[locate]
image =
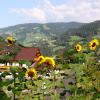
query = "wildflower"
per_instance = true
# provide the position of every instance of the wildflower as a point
(44, 86)
(99, 61)
(10, 40)
(78, 47)
(32, 73)
(49, 61)
(93, 44)
(45, 60)
(56, 72)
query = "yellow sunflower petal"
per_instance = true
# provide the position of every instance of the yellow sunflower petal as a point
(10, 40)
(78, 47)
(40, 59)
(32, 73)
(93, 44)
(50, 61)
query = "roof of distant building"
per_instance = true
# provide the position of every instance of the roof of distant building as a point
(27, 53)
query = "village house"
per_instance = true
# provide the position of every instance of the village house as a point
(24, 54)
(27, 53)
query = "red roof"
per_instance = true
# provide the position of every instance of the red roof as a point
(27, 53)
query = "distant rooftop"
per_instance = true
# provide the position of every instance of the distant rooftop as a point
(27, 53)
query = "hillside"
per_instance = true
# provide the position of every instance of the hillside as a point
(2, 43)
(85, 30)
(51, 37)
(54, 28)
(38, 35)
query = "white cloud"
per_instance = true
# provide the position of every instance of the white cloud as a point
(77, 10)
(35, 13)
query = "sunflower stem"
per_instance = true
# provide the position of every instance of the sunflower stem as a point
(54, 83)
(14, 86)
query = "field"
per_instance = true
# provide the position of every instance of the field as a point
(72, 75)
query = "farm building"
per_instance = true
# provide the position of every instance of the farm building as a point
(19, 53)
(12, 57)
(27, 53)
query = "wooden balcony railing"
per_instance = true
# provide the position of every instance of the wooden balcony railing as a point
(5, 68)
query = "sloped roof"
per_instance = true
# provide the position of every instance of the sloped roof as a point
(26, 53)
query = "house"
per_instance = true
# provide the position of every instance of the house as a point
(19, 52)
(11, 55)
(27, 53)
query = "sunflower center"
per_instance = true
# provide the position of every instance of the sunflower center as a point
(10, 42)
(30, 73)
(94, 44)
(77, 48)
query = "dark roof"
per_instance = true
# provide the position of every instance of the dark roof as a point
(27, 53)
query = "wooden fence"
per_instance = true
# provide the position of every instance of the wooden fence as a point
(5, 68)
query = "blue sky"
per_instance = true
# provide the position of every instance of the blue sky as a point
(14, 12)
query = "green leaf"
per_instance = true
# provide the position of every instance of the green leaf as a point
(5, 83)
(3, 96)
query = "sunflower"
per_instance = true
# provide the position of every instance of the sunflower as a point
(93, 44)
(10, 40)
(78, 47)
(49, 61)
(40, 59)
(32, 73)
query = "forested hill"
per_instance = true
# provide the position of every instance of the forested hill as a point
(92, 28)
(46, 28)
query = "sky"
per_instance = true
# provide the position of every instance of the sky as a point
(13, 12)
